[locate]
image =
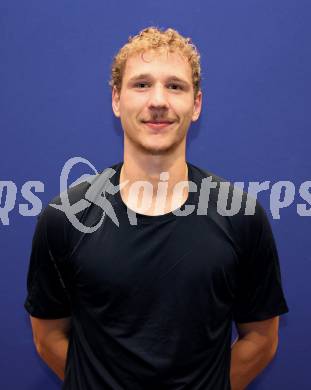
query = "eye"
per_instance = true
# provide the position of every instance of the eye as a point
(141, 85)
(175, 87)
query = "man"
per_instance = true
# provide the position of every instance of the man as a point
(150, 305)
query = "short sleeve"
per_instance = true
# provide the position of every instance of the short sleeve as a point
(47, 296)
(260, 294)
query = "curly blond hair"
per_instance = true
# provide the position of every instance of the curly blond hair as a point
(156, 39)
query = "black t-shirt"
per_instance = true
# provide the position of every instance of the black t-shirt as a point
(152, 303)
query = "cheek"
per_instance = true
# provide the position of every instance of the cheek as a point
(183, 108)
(131, 104)
(182, 102)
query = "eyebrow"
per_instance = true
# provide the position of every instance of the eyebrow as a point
(148, 76)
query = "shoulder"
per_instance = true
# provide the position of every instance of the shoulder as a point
(230, 206)
(229, 197)
(75, 197)
(62, 220)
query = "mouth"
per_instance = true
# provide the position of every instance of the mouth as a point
(157, 125)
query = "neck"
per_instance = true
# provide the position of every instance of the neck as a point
(160, 193)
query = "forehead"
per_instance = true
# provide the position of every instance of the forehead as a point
(158, 64)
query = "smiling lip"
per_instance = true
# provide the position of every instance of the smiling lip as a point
(157, 125)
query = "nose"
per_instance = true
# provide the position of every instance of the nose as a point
(158, 98)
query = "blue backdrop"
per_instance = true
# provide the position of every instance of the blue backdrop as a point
(255, 126)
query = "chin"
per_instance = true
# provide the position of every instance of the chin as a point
(158, 150)
(156, 147)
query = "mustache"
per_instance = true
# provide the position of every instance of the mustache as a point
(159, 116)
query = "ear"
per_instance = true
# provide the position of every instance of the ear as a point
(116, 101)
(197, 106)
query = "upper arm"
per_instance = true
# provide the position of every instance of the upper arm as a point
(264, 333)
(48, 282)
(259, 294)
(44, 330)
